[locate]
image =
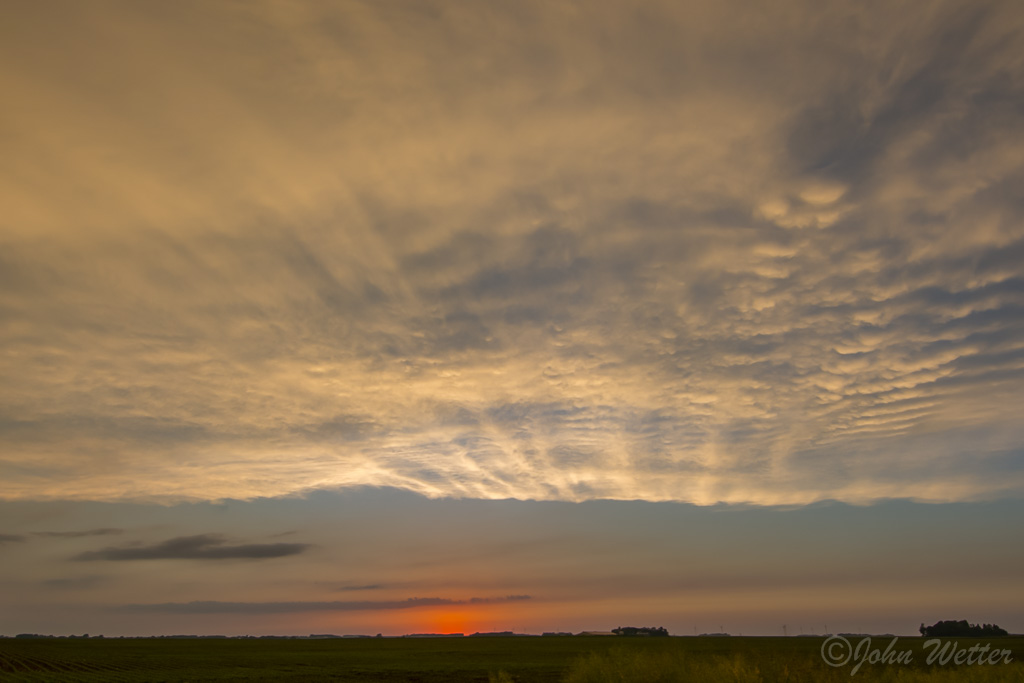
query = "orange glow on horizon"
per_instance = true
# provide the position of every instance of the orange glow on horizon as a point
(458, 620)
(451, 622)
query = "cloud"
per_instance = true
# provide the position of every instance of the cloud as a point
(76, 582)
(507, 598)
(78, 534)
(11, 538)
(200, 547)
(214, 607)
(635, 253)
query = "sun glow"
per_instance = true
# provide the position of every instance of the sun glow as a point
(453, 621)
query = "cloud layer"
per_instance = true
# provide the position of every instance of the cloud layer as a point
(587, 566)
(677, 252)
(78, 534)
(200, 547)
(215, 607)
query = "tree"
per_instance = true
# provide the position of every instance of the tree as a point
(951, 629)
(645, 631)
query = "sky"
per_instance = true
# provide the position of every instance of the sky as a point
(410, 316)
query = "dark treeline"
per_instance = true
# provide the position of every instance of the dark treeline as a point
(948, 629)
(645, 631)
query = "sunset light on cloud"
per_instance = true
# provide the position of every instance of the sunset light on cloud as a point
(378, 302)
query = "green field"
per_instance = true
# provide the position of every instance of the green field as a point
(561, 659)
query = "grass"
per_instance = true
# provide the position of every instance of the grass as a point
(483, 660)
(776, 660)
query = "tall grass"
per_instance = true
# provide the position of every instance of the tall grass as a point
(639, 665)
(645, 666)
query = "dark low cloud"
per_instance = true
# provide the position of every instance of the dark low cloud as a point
(11, 538)
(78, 534)
(200, 547)
(75, 582)
(489, 601)
(216, 607)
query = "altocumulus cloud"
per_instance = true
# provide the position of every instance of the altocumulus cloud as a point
(633, 252)
(215, 607)
(200, 547)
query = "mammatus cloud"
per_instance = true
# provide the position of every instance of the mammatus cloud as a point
(214, 607)
(620, 252)
(201, 547)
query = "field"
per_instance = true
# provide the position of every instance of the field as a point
(558, 659)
